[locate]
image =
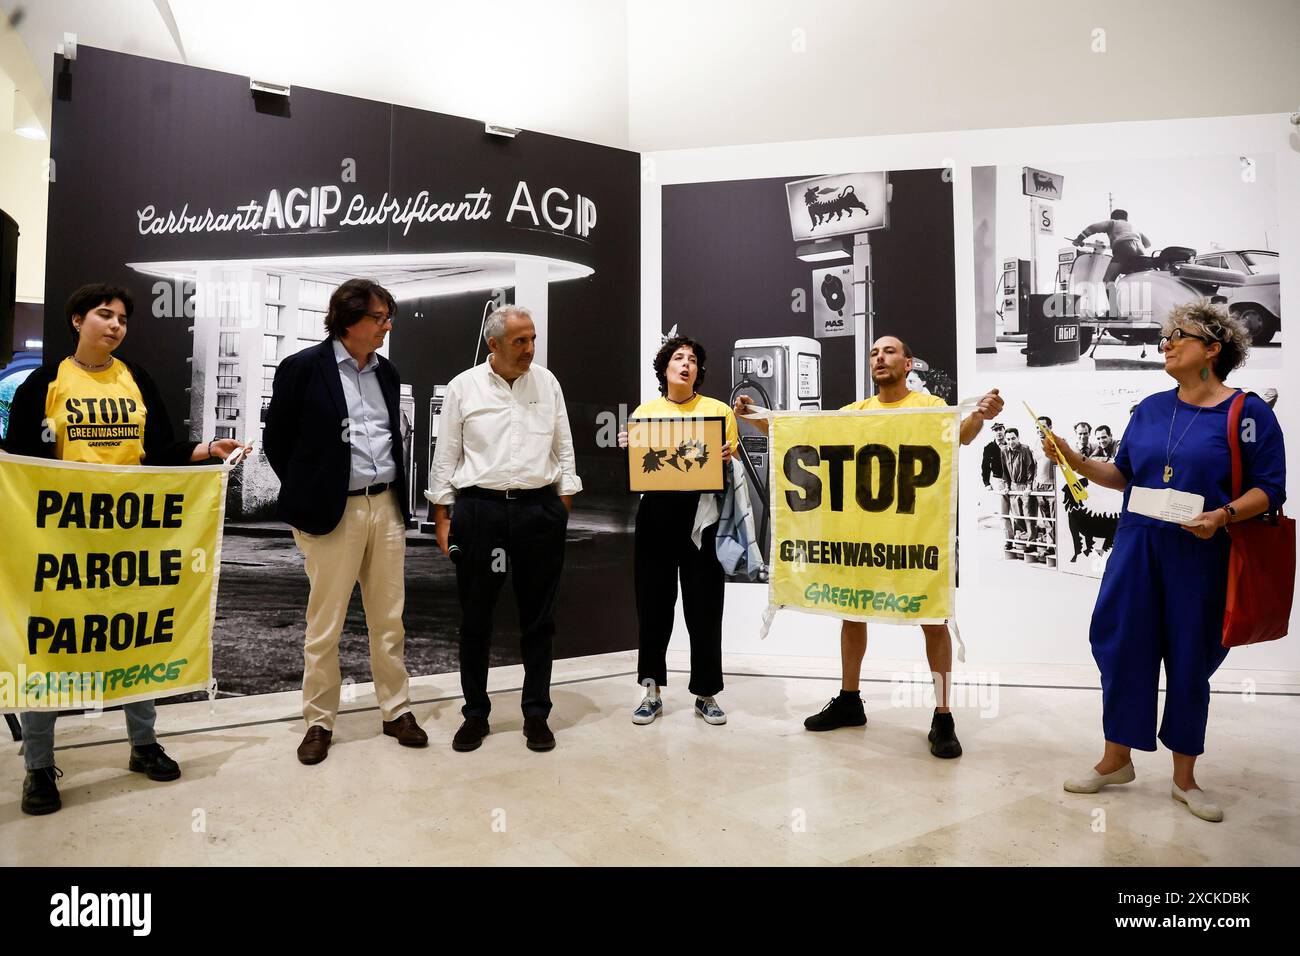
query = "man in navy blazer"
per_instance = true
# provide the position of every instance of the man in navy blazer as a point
(333, 437)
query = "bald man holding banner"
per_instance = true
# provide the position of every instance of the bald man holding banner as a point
(891, 362)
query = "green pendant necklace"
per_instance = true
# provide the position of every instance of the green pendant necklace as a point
(1169, 452)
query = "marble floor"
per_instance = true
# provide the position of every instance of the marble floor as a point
(760, 790)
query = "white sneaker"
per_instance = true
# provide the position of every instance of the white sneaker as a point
(708, 708)
(1093, 781)
(650, 708)
(1199, 802)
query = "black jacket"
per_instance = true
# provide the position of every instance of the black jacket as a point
(306, 439)
(992, 465)
(27, 433)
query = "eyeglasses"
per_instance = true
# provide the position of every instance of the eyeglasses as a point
(1178, 334)
(381, 318)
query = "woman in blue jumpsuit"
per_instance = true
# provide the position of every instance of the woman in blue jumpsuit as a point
(1162, 596)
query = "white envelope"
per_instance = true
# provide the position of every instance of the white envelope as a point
(1165, 504)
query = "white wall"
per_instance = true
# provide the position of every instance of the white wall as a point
(24, 193)
(668, 74)
(559, 67)
(1007, 614)
(725, 72)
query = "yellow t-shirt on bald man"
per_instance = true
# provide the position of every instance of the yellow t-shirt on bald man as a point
(910, 400)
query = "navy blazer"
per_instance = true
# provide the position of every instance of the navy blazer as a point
(306, 438)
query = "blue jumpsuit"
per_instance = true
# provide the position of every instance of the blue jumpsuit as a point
(1164, 589)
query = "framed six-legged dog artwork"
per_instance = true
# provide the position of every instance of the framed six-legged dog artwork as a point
(675, 454)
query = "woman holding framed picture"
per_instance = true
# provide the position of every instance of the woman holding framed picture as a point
(671, 544)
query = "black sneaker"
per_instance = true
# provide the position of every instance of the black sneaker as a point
(152, 761)
(840, 712)
(40, 793)
(943, 737)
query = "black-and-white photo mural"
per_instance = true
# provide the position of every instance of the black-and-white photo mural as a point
(1078, 264)
(1026, 513)
(1093, 423)
(232, 220)
(788, 280)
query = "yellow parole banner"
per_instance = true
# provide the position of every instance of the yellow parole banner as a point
(108, 581)
(865, 513)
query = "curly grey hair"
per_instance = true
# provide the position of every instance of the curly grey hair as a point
(1216, 323)
(495, 326)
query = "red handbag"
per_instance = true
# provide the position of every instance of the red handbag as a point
(1261, 566)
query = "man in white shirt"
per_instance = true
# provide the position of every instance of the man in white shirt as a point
(502, 483)
(1083, 439)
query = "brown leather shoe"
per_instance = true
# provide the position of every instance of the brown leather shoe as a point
(407, 731)
(538, 733)
(316, 745)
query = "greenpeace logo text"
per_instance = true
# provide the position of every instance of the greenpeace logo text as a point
(75, 908)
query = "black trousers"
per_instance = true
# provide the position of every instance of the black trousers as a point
(526, 538)
(664, 550)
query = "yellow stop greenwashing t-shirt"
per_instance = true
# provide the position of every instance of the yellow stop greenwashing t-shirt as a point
(98, 417)
(701, 406)
(910, 400)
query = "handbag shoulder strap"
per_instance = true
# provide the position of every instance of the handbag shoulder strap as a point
(1234, 441)
(1234, 447)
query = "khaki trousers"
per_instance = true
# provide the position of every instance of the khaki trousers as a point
(368, 546)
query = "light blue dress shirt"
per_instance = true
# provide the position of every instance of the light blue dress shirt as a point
(373, 460)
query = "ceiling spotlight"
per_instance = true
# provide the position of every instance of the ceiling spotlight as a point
(495, 129)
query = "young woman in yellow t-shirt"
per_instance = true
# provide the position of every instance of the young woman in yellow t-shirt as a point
(96, 407)
(665, 550)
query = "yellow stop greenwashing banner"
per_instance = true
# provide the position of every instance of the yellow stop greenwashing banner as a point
(864, 508)
(108, 581)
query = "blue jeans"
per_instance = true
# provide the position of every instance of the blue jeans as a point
(38, 731)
